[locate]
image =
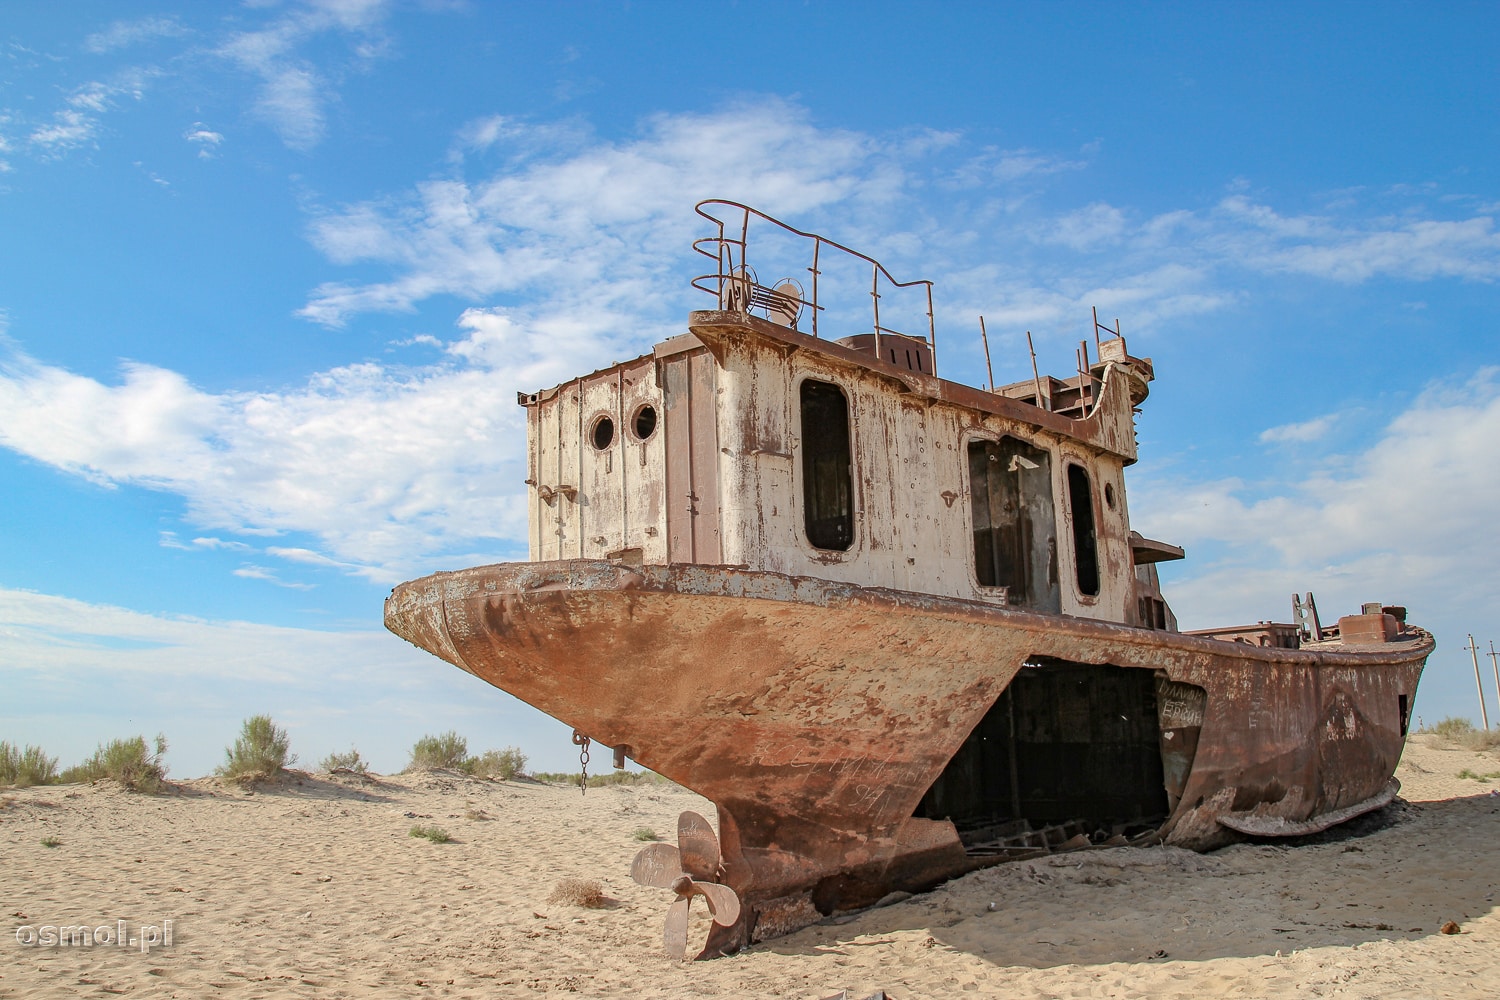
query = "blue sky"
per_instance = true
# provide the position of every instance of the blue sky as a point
(271, 274)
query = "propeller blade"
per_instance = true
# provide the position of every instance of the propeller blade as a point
(674, 935)
(657, 865)
(722, 901)
(699, 847)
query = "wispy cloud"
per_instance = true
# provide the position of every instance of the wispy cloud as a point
(599, 217)
(252, 572)
(1299, 433)
(294, 89)
(122, 34)
(78, 122)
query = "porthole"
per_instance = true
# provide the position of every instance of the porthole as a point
(604, 433)
(1109, 495)
(645, 422)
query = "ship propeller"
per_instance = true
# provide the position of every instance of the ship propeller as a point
(692, 868)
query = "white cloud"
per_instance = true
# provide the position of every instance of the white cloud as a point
(78, 123)
(388, 468)
(1299, 433)
(121, 34)
(1092, 227)
(603, 219)
(1408, 518)
(252, 572)
(220, 543)
(1354, 251)
(294, 92)
(206, 138)
(69, 128)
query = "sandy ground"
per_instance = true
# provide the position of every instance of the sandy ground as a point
(314, 888)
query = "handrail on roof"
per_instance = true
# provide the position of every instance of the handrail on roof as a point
(737, 289)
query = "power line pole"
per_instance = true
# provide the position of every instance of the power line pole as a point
(1474, 653)
(1495, 665)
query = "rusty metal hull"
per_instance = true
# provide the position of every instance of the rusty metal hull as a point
(816, 714)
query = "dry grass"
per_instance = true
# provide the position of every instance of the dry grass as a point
(579, 892)
(130, 762)
(1463, 733)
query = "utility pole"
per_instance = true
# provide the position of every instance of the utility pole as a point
(1474, 653)
(1495, 665)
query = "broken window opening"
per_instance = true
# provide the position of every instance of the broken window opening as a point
(827, 479)
(1085, 547)
(1067, 748)
(1015, 528)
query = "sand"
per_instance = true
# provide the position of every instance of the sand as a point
(314, 888)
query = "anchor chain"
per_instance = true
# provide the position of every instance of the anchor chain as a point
(582, 743)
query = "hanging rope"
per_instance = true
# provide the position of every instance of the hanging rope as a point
(582, 743)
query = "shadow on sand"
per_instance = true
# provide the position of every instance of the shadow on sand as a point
(1398, 874)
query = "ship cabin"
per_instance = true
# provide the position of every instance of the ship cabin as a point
(776, 435)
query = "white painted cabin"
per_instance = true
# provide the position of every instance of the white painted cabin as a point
(746, 442)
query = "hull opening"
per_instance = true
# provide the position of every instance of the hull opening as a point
(1069, 755)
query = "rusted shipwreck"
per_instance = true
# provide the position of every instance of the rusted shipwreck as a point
(895, 628)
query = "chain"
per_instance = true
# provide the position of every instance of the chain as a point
(582, 743)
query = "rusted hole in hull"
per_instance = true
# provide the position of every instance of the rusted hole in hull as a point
(1067, 746)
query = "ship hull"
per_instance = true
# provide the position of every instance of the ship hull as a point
(817, 715)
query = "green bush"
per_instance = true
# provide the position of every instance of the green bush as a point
(436, 834)
(261, 752)
(449, 750)
(130, 762)
(26, 766)
(502, 764)
(350, 761)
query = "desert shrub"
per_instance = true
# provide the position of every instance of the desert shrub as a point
(646, 833)
(579, 892)
(130, 762)
(1464, 733)
(51, 841)
(449, 750)
(350, 761)
(1452, 728)
(609, 778)
(436, 834)
(23, 766)
(261, 752)
(1482, 739)
(503, 764)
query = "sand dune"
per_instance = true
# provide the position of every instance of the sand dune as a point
(314, 888)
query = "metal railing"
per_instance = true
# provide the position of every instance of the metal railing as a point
(737, 288)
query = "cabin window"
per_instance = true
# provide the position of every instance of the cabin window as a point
(604, 433)
(645, 422)
(1085, 547)
(1015, 527)
(827, 480)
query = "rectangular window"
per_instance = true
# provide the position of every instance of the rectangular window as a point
(1085, 549)
(1015, 526)
(827, 480)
